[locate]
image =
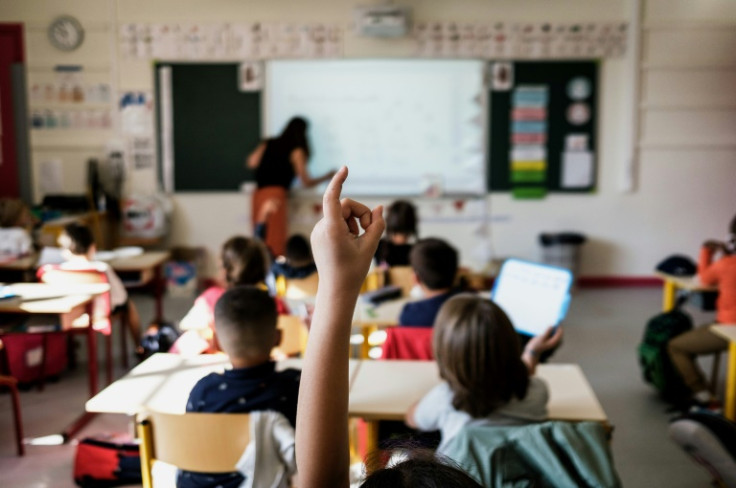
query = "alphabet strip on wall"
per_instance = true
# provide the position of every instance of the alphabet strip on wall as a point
(514, 40)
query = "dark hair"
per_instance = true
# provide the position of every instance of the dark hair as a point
(11, 212)
(245, 261)
(245, 322)
(294, 135)
(435, 263)
(401, 218)
(420, 472)
(77, 239)
(479, 355)
(298, 249)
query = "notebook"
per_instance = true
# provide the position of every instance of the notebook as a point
(534, 296)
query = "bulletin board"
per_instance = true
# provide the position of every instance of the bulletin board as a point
(216, 125)
(542, 127)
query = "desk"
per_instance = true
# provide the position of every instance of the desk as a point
(20, 269)
(142, 270)
(68, 303)
(728, 332)
(163, 382)
(673, 283)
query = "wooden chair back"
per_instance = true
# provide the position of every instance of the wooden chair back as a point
(203, 442)
(402, 276)
(301, 288)
(293, 335)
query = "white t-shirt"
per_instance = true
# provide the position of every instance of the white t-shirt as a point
(435, 411)
(14, 241)
(118, 293)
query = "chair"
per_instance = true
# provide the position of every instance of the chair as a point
(293, 335)
(12, 384)
(408, 343)
(300, 288)
(402, 276)
(102, 310)
(203, 442)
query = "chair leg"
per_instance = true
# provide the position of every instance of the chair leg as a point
(714, 373)
(11, 383)
(108, 357)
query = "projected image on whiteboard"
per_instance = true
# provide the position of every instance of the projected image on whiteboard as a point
(403, 127)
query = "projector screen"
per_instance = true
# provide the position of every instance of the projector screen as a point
(403, 127)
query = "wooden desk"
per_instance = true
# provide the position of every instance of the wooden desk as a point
(728, 332)
(21, 269)
(384, 390)
(673, 283)
(144, 270)
(163, 383)
(68, 303)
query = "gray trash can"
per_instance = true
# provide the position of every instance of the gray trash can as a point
(562, 249)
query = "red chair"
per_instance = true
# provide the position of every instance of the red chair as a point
(408, 343)
(12, 384)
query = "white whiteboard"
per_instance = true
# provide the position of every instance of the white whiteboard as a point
(401, 126)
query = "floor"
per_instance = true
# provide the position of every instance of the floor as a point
(601, 333)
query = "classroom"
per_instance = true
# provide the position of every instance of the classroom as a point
(591, 135)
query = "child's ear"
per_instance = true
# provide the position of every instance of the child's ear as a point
(416, 279)
(277, 338)
(92, 250)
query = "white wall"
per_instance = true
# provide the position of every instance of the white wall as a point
(686, 178)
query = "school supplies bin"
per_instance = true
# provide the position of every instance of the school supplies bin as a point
(185, 270)
(562, 249)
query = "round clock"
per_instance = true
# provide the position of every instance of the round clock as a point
(66, 33)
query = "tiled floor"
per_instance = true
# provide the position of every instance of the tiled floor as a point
(601, 334)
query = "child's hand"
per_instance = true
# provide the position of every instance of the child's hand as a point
(268, 208)
(544, 342)
(342, 255)
(714, 246)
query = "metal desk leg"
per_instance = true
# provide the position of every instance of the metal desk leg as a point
(668, 295)
(158, 293)
(730, 406)
(365, 348)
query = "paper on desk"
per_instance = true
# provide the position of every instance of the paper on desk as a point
(577, 169)
(50, 176)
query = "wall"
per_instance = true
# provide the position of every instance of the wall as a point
(686, 175)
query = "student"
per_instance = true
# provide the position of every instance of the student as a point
(434, 262)
(297, 262)
(343, 257)
(78, 249)
(685, 348)
(486, 376)
(245, 321)
(244, 261)
(15, 222)
(401, 230)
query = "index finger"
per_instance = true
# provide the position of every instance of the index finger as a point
(331, 198)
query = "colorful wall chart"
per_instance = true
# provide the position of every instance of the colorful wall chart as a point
(542, 127)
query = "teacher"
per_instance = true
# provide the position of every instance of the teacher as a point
(276, 162)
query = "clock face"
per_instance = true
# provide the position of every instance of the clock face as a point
(66, 33)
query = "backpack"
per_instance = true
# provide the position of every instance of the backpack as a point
(157, 338)
(657, 368)
(710, 439)
(103, 462)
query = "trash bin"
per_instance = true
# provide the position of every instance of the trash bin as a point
(562, 249)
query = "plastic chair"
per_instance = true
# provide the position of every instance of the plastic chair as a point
(202, 442)
(402, 276)
(293, 335)
(102, 310)
(408, 343)
(12, 384)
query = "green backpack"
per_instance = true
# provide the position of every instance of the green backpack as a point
(657, 368)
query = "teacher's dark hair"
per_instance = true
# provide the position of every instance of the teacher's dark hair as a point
(294, 135)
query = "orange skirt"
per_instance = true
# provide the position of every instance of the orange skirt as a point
(277, 223)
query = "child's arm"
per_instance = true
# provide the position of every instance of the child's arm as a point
(707, 269)
(342, 260)
(538, 344)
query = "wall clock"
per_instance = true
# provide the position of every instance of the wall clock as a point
(66, 33)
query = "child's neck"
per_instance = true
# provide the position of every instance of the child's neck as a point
(239, 363)
(433, 293)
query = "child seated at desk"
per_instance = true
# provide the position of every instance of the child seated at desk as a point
(245, 321)
(297, 262)
(244, 261)
(487, 376)
(343, 258)
(15, 223)
(434, 262)
(685, 348)
(401, 230)
(78, 249)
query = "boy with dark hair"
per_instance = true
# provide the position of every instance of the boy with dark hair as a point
(435, 264)
(245, 323)
(297, 262)
(79, 249)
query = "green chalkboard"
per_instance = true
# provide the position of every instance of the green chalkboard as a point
(556, 76)
(215, 126)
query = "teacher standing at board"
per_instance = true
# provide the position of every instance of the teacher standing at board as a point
(276, 162)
